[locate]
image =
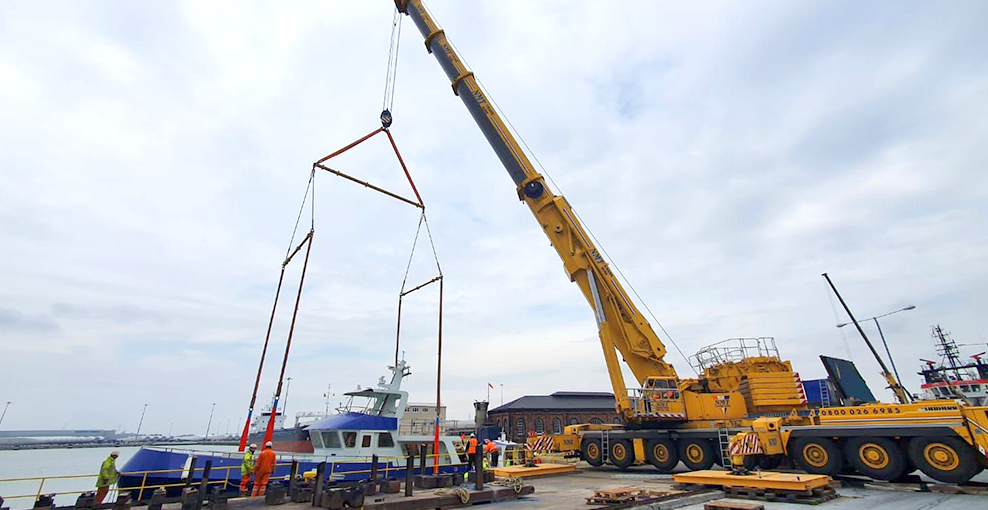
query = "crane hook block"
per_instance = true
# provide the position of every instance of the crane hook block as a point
(533, 189)
(386, 119)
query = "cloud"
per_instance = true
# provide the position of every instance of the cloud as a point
(154, 159)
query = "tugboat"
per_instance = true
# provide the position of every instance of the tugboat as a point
(367, 425)
(951, 377)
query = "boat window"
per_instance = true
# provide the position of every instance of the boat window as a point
(975, 387)
(316, 440)
(350, 439)
(331, 439)
(366, 442)
(965, 388)
(384, 440)
(557, 426)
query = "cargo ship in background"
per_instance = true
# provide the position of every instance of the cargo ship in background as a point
(293, 439)
(952, 377)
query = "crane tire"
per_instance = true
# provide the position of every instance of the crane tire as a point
(818, 455)
(945, 459)
(697, 454)
(662, 454)
(876, 457)
(591, 452)
(622, 454)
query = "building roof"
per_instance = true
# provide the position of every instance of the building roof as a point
(561, 401)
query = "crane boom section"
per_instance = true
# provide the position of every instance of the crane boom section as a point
(621, 326)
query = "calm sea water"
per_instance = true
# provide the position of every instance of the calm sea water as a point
(56, 462)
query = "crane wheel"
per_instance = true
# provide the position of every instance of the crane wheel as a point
(876, 457)
(591, 452)
(817, 455)
(662, 454)
(622, 453)
(945, 459)
(697, 454)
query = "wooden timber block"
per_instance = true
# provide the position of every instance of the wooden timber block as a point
(731, 505)
(391, 487)
(457, 478)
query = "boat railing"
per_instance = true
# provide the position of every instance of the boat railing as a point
(218, 476)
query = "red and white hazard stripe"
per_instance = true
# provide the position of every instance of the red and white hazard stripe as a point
(799, 387)
(541, 444)
(748, 445)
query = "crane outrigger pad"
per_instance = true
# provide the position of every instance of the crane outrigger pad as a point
(796, 483)
(529, 472)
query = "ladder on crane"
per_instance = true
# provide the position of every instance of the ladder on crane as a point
(605, 447)
(724, 441)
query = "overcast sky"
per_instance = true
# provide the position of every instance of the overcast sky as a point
(154, 156)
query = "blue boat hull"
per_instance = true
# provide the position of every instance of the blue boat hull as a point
(225, 470)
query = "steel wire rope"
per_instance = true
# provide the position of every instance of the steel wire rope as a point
(833, 306)
(312, 205)
(546, 172)
(390, 78)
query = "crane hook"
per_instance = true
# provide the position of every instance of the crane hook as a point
(386, 118)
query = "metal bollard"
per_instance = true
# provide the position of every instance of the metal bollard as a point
(478, 468)
(123, 501)
(190, 498)
(409, 473)
(422, 455)
(192, 470)
(320, 481)
(373, 475)
(204, 483)
(157, 499)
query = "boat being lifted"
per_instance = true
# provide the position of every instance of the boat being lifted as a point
(347, 442)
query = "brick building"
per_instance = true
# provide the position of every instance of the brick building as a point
(550, 413)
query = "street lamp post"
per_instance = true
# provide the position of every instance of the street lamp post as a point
(882, 335)
(138, 435)
(4, 411)
(210, 424)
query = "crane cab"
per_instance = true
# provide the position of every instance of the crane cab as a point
(659, 398)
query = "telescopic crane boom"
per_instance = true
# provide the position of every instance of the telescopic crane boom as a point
(620, 325)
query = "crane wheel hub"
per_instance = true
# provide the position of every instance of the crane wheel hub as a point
(816, 455)
(941, 456)
(694, 453)
(661, 453)
(873, 456)
(593, 451)
(619, 452)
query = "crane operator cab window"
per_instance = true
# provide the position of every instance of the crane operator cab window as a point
(661, 388)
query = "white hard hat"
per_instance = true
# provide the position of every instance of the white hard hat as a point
(269, 444)
(115, 453)
(253, 446)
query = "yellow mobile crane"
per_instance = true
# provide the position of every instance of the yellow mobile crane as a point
(743, 387)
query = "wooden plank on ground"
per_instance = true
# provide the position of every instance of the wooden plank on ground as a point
(731, 505)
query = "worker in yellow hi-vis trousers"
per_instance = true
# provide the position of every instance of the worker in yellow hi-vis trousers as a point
(247, 471)
(108, 476)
